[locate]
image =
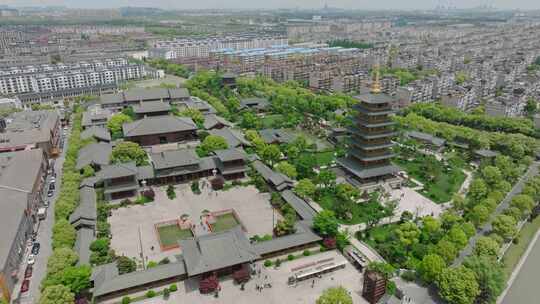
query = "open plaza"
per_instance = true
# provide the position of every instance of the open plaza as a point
(135, 225)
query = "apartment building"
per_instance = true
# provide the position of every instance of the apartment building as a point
(181, 48)
(53, 78)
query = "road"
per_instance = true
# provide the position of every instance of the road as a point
(532, 171)
(522, 284)
(44, 237)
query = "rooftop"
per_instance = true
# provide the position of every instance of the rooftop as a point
(158, 125)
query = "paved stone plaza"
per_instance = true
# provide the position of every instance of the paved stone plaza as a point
(280, 293)
(134, 225)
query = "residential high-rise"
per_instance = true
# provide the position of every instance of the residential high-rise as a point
(369, 156)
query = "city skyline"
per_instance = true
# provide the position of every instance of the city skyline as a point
(275, 4)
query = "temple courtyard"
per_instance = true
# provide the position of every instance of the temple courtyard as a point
(133, 227)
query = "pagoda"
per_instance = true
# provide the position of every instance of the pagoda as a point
(370, 145)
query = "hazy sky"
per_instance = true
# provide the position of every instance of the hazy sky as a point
(198, 4)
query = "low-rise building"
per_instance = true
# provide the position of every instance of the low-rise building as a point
(22, 179)
(156, 130)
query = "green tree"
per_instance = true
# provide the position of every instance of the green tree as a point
(125, 265)
(335, 295)
(128, 151)
(486, 246)
(60, 259)
(115, 124)
(287, 169)
(490, 276)
(270, 154)
(77, 278)
(458, 285)
(250, 121)
(194, 114)
(88, 171)
(431, 267)
(385, 269)
(408, 234)
(347, 192)
(213, 143)
(64, 234)
(457, 236)
(446, 249)
(326, 178)
(504, 226)
(326, 224)
(305, 188)
(56, 294)
(478, 189)
(479, 215)
(524, 203)
(492, 175)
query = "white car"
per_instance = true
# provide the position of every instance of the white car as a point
(31, 259)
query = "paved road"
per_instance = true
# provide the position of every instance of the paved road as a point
(532, 171)
(523, 283)
(44, 237)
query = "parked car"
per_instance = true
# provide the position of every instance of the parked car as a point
(53, 180)
(25, 286)
(35, 248)
(50, 193)
(46, 204)
(52, 186)
(28, 272)
(31, 259)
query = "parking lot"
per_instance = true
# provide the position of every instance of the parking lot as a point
(133, 226)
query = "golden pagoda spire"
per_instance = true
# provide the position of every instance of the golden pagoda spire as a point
(376, 86)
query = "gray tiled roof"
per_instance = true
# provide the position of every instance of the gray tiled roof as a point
(436, 141)
(278, 180)
(375, 98)
(151, 107)
(87, 206)
(29, 127)
(216, 251)
(276, 136)
(303, 236)
(85, 237)
(94, 114)
(254, 102)
(137, 94)
(106, 281)
(234, 138)
(117, 170)
(174, 158)
(299, 205)
(486, 153)
(212, 120)
(158, 125)
(98, 133)
(362, 172)
(94, 154)
(145, 172)
(111, 98)
(179, 93)
(230, 154)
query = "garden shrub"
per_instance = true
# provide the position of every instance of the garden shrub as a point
(173, 288)
(150, 294)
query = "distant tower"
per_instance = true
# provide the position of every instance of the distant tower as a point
(374, 286)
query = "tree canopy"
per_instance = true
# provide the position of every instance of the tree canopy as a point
(56, 294)
(326, 224)
(115, 124)
(458, 285)
(128, 151)
(335, 295)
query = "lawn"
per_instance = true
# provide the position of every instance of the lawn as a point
(224, 222)
(171, 234)
(447, 181)
(269, 121)
(322, 158)
(514, 253)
